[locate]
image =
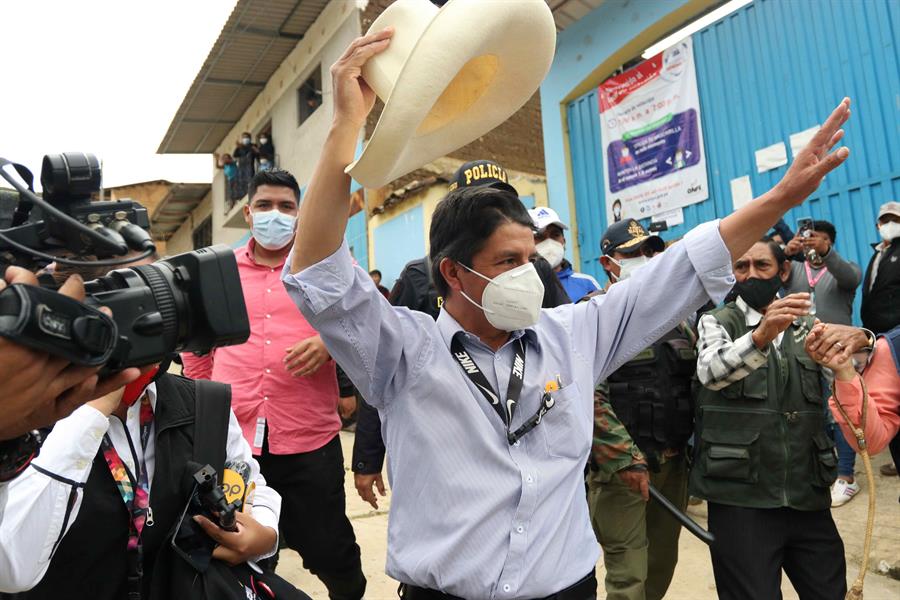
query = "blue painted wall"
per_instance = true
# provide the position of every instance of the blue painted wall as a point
(580, 48)
(357, 239)
(771, 69)
(397, 242)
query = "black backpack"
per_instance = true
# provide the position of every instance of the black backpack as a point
(219, 581)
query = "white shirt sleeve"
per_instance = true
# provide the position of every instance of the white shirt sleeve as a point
(267, 502)
(43, 502)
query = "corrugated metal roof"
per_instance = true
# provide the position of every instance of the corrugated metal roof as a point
(174, 209)
(256, 39)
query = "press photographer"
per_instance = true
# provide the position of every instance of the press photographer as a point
(120, 494)
(57, 341)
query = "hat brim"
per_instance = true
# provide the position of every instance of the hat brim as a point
(633, 245)
(522, 41)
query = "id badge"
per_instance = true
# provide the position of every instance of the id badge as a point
(260, 432)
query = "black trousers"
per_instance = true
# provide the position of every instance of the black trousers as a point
(313, 515)
(753, 545)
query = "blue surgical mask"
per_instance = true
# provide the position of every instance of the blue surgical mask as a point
(273, 230)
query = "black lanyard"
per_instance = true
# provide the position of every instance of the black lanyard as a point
(506, 408)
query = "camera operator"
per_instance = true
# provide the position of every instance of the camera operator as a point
(37, 389)
(103, 497)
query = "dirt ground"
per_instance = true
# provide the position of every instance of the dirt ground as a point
(693, 576)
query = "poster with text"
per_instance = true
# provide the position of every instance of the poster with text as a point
(651, 136)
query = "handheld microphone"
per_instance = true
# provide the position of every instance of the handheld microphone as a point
(235, 481)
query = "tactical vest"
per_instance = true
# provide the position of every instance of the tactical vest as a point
(761, 441)
(651, 394)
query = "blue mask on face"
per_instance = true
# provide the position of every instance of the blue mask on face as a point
(273, 230)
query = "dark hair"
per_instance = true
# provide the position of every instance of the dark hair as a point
(465, 219)
(376, 272)
(777, 251)
(826, 228)
(276, 177)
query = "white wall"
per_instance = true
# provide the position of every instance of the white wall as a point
(296, 147)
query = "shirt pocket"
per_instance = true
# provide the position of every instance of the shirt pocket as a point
(566, 429)
(810, 380)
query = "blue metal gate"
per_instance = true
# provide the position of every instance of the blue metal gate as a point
(770, 69)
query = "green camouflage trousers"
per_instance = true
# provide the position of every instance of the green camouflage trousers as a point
(638, 566)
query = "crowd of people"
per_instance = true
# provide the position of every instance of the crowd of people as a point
(526, 412)
(247, 159)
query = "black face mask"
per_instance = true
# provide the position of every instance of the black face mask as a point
(757, 293)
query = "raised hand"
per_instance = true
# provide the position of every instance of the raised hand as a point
(816, 159)
(353, 98)
(779, 316)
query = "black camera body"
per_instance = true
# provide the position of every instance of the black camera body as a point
(191, 302)
(65, 218)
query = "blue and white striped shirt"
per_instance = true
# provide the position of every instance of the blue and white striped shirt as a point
(471, 515)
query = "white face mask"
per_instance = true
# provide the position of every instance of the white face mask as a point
(627, 266)
(511, 300)
(889, 231)
(273, 230)
(552, 251)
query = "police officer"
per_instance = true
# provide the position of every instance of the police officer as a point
(643, 418)
(762, 459)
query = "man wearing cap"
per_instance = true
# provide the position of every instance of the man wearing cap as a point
(487, 411)
(415, 290)
(550, 242)
(881, 288)
(645, 426)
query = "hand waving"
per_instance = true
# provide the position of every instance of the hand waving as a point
(353, 98)
(816, 160)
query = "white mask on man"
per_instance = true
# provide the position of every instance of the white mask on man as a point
(511, 300)
(889, 231)
(627, 266)
(552, 251)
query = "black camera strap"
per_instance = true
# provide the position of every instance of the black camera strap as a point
(506, 409)
(23, 208)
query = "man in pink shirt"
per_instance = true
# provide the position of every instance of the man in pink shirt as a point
(285, 395)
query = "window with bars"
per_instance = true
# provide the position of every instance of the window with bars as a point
(202, 234)
(309, 95)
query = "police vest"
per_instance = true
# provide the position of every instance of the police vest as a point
(761, 441)
(651, 394)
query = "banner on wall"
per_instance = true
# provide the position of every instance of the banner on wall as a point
(651, 136)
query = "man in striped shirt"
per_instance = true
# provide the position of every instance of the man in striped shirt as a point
(762, 458)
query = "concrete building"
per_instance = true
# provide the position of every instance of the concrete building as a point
(174, 208)
(268, 73)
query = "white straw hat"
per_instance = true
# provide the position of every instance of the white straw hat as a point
(449, 76)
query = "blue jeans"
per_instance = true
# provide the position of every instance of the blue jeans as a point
(846, 454)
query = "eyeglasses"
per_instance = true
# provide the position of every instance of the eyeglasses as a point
(547, 402)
